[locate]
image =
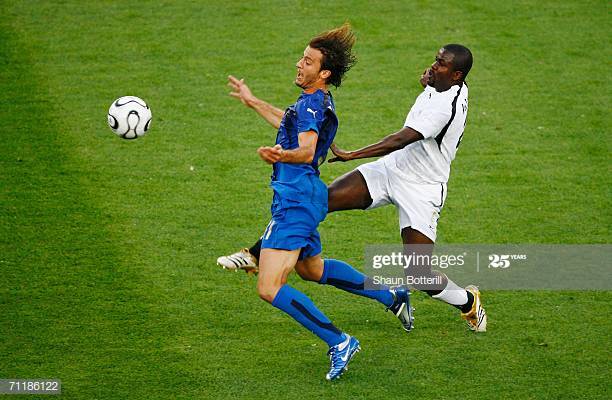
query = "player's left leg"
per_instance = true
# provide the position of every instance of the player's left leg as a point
(310, 268)
(292, 226)
(347, 192)
(467, 300)
(274, 267)
(419, 206)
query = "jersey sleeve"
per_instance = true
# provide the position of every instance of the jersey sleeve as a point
(429, 121)
(310, 115)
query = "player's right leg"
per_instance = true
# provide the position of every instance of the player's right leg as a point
(242, 259)
(348, 192)
(345, 277)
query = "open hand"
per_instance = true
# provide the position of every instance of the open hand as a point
(240, 90)
(341, 155)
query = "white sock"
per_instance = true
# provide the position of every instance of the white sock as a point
(452, 294)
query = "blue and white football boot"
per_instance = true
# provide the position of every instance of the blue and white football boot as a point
(401, 307)
(340, 355)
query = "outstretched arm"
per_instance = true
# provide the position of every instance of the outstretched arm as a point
(389, 144)
(267, 111)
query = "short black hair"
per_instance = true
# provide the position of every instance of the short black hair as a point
(462, 60)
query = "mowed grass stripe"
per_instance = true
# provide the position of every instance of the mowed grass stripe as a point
(73, 306)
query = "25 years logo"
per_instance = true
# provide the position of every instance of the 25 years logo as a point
(503, 260)
(499, 261)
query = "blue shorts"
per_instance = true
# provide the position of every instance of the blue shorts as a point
(294, 226)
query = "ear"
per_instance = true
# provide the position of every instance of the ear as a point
(324, 74)
(457, 76)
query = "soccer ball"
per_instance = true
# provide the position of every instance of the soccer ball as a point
(129, 117)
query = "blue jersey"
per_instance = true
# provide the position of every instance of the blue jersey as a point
(300, 182)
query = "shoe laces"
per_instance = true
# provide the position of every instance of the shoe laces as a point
(333, 357)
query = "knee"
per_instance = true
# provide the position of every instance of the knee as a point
(310, 270)
(307, 273)
(267, 292)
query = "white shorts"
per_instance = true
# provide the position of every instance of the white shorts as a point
(419, 204)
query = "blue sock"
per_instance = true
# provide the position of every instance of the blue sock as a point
(303, 310)
(343, 276)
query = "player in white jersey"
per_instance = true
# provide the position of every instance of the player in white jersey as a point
(412, 175)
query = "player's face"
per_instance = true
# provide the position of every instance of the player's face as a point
(442, 73)
(309, 74)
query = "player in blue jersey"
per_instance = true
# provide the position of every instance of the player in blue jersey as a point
(306, 131)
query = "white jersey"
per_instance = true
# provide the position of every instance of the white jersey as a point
(440, 117)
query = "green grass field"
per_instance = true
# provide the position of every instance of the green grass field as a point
(107, 247)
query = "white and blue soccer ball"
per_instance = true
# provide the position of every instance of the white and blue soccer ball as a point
(129, 117)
